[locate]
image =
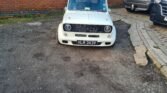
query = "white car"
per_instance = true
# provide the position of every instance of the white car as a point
(87, 23)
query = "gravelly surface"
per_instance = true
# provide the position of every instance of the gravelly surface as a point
(31, 61)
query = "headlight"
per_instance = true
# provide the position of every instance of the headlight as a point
(157, 1)
(67, 27)
(108, 29)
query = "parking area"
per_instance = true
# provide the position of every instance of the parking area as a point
(31, 61)
(158, 31)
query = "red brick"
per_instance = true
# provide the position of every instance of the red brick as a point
(20, 5)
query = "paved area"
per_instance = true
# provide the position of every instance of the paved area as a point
(144, 33)
(160, 32)
(31, 61)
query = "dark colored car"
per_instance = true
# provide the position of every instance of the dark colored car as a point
(137, 5)
(158, 12)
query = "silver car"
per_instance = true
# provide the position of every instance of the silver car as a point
(137, 5)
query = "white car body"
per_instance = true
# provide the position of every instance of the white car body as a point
(83, 38)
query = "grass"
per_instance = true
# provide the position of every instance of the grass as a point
(14, 20)
(29, 17)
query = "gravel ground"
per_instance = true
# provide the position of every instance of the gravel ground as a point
(31, 61)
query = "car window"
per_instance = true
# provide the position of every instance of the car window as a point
(87, 5)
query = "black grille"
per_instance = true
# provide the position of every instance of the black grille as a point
(164, 8)
(88, 28)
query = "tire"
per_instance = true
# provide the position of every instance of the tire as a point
(129, 10)
(155, 23)
(112, 46)
(58, 40)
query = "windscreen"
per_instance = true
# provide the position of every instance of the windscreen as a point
(88, 5)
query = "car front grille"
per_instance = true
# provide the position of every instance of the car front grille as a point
(164, 8)
(88, 28)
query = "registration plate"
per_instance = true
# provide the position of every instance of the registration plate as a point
(165, 19)
(81, 42)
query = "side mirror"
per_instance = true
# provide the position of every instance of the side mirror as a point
(65, 8)
(109, 9)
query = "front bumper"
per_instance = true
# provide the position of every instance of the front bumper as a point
(141, 6)
(70, 38)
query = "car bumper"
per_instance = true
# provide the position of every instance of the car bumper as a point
(71, 38)
(143, 6)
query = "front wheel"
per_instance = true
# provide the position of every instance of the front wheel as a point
(129, 10)
(113, 44)
(155, 23)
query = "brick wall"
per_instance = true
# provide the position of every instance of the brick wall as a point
(115, 2)
(18, 5)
